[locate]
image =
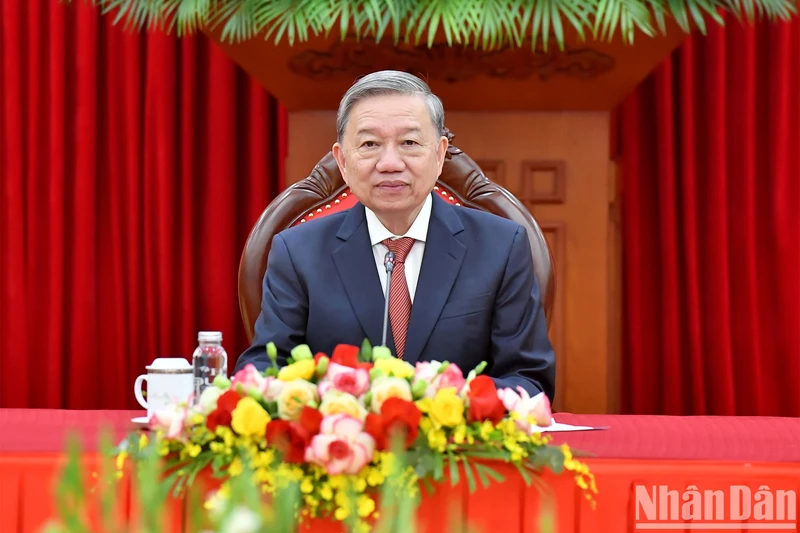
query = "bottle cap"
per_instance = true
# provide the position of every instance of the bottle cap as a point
(209, 336)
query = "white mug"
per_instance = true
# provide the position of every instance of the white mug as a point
(169, 381)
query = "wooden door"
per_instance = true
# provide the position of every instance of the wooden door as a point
(557, 164)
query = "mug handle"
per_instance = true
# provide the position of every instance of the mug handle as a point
(137, 390)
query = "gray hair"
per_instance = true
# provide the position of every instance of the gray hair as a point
(389, 82)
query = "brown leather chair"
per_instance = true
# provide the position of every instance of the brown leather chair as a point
(324, 192)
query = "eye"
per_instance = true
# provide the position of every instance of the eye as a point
(409, 142)
(368, 144)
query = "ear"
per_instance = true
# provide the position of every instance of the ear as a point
(441, 151)
(338, 154)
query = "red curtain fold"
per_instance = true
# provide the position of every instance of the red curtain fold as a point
(133, 167)
(711, 222)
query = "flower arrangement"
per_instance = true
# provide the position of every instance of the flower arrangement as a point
(335, 425)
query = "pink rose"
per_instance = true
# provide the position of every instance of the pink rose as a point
(353, 381)
(251, 379)
(272, 388)
(341, 446)
(529, 411)
(248, 378)
(452, 377)
(170, 420)
(431, 373)
(426, 371)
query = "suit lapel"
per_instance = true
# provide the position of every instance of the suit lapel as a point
(355, 264)
(441, 262)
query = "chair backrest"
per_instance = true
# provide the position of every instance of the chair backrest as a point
(324, 192)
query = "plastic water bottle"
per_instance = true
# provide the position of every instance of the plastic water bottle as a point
(209, 361)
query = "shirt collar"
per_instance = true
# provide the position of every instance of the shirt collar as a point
(417, 231)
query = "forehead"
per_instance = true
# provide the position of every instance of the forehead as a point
(389, 113)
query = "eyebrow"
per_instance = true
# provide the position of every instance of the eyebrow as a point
(371, 131)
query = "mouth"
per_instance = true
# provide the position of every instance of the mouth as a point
(391, 186)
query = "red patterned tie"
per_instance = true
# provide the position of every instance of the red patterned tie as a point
(399, 297)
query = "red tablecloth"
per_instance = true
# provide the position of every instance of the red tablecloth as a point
(636, 452)
(627, 437)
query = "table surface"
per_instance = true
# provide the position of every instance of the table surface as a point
(769, 439)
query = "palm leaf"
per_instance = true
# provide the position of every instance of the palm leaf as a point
(487, 24)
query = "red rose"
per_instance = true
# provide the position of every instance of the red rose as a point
(228, 400)
(292, 438)
(346, 355)
(218, 418)
(223, 414)
(398, 418)
(373, 425)
(310, 420)
(484, 404)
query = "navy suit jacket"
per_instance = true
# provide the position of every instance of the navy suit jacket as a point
(477, 296)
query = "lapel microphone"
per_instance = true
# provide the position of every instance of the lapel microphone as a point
(388, 264)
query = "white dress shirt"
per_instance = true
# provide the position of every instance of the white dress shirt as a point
(418, 231)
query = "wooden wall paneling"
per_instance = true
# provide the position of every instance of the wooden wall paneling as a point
(544, 182)
(555, 234)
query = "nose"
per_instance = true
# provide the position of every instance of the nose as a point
(390, 160)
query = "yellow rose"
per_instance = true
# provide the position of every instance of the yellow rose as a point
(249, 418)
(384, 388)
(300, 370)
(447, 409)
(335, 402)
(294, 395)
(395, 367)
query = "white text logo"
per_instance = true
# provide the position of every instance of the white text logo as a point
(733, 507)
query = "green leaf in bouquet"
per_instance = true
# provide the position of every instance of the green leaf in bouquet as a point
(272, 354)
(482, 475)
(454, 477)
(381, 352)
(549, 456)
(418, 389)
(222, 382)
(428, 486)
(480, 368)
(438, 466)
(70, 491)
(470, 476)
(524, 473)
(376, 373)
(484, 471)
(107, 479)
(271, 408)
(201, 462)
(301, 352)
(366, 351)
(322, 366)
(497, 455)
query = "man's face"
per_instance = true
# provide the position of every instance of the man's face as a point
(391, 155)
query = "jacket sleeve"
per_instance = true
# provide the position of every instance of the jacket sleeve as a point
(284, 311)
(522, 354)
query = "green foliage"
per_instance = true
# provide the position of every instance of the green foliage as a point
(245, 507)
(485, 24)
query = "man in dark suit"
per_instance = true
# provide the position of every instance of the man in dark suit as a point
(463, 288)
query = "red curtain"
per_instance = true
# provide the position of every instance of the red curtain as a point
(711, 208)
(133, 167)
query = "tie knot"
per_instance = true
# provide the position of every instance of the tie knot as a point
(399, 247)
